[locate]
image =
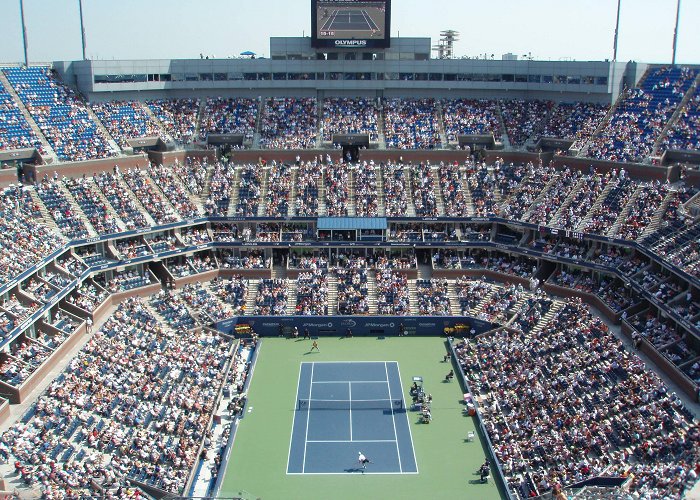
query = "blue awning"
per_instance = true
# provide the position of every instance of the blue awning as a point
(341, 223)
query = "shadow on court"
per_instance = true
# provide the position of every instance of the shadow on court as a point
(355, 469)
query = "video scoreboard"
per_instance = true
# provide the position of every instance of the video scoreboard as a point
(347, 24)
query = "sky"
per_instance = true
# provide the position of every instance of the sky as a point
(180, 29)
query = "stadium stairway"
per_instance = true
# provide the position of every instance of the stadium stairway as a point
(319, 125)
(251, 295)
(160, 192)
(622, 217)
(692, 206)
(410, 207)
(263, 192)
(583, 149)
(235, 192)
(467, 192)
(206, 190)
(291, 297)
(504, 135)
(479, 307)
(105, 202)
(437, 190)
(441, 124)
(381, 204)
(100, 126)
(164, 325)
(676, 114)
(412, 297)
(567, 203)
(515, 310)
(293, 193)
(258, 121)
(163, 133)
(200, 115)
(77, 210)
(540, 197)
(45, 216)
(351, 193)
(453, 297)
(424, 272)
(124, 188)
(592, 209)
(332, 297)
(279, 272)
(49, 152)
(380, 128)
(321, 184)
(371, 293)
(196, 200)
(544, 320)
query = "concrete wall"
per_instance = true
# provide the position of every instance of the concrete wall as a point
(83, 73)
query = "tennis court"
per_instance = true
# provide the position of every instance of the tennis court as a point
(344, 408)
(446, 461)
(349, 20)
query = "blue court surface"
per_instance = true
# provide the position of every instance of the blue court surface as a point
(344, 408)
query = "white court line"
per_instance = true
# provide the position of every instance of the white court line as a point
(364, 15)
(393, 418)
(332, 20)
(415, 460)
(308, 415)
(346, 363)
(354, 441)
(350, 382)
(350, 407)
(364, 473)
(291, 436)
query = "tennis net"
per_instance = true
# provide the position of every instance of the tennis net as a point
(350, 404)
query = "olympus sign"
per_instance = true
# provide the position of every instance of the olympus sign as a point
(351, 43)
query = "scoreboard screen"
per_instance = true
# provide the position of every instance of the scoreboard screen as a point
(348, 24)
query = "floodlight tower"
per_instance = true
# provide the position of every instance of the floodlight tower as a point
(675, 32)
(617, 27)
(82, 27)
(449, 37)
(440, 49)
(24, 32)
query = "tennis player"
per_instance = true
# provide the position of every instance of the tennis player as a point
(363, 460)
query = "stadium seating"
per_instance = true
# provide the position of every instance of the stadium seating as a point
(524, 119)
(178, 117)
(150, 197)
(532, 400)
(117, 193)
(87, 197)
(126, 120)
(641, 115)
(60, 114)
(229, 116)
(411, 124)
(349, 116)
(110, 431)
(24, 240)
(307, 182)
(15, 131)
(471, 117)
(576, 121)
(289, 123)
(684, 133)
